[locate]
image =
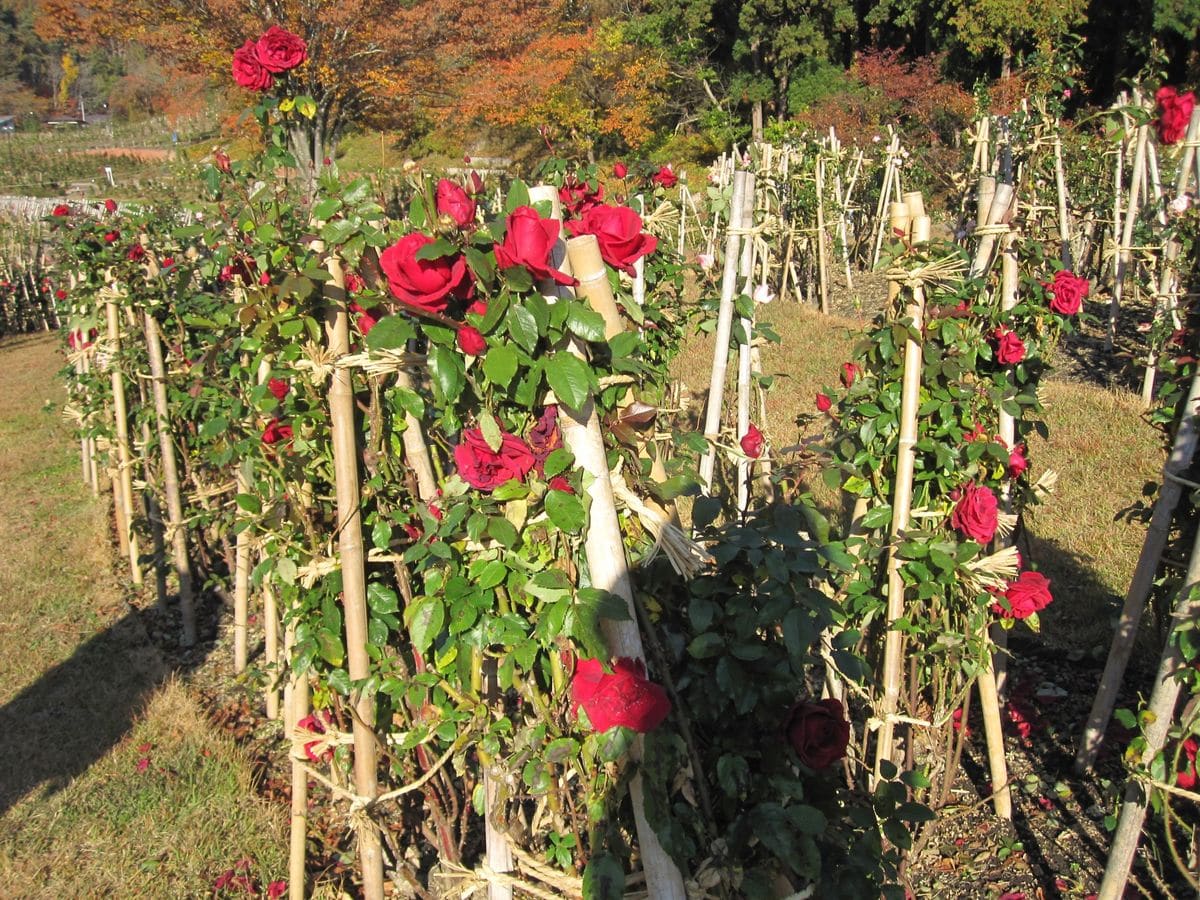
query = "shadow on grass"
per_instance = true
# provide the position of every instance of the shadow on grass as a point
(56, 728)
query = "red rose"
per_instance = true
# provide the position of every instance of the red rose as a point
(168, 261)
(484, 468)
(975, 513)
(620, 170)
(112, 236)
(560, 483)
(528, 241)
(61, 210)
(544, 437)
(625, 697)
(818, 732)
(248, 71)
(752, 442)
(136, 252)
(363, 319)
(278, 388)
(849, 372)
(618, 231)
(314, 725)
(1067, 292)
(665, 177)
(60, 294)
(110, 205)
(1017, 463)
(279, 50)
(453, 201)
(476, 186)
(354, 283)
(1174, 113)
(276, 432)
(1010, 349)
(1029, 594)
(277, 889)
(264, 279)
(427, 283)
(470, 341)
(824, 404)
(1186, 778)
(478, 308)
(222, 161)
(577, 198)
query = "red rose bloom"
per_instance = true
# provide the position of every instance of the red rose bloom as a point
(752, 442)
(824, 404)
(111, 237)
(1174, 113)
(1186, 778)
(136, 252)
(60, 294)
(354, 283)
(625, 697)
(544, 437)
(528, 241)
(478, 308)
(363, 319)
(1010, 349)
(316, 726)
(110, 205)
(168, 261)
(1067, 292)
(1017, 463)
(560, 483)
(427, 283)
(849, 372)
(1030, 593)
(276, 432)
(665, 177)
(577, 198)
(453, 201)
(484, 468)
(61, 210)
(278, 388)
(818, 732)
(620, 170)
(248, 72)
(278, 50)
(222, 161)
(470, 341)
(975, 514)
(618, 231)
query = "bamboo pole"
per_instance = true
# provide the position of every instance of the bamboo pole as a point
(1124, 254)
(743, 184)
(354, 586)
(295, 710)
(1009, 282)
(890, 181)
(1176, 468)
(1064, 221)
(123, 489)
(910, 391)
(1161, 714)
(822, 271)
(271, 648)
(991, 221)
(746, 273)
(241, 581)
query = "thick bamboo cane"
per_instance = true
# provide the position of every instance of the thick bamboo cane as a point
(154, 518)
(1124, 254)
(271, 648)
(241, 581)
(745, 273)
(1162, 713)
(910, 390)
(1175, 469)
(1009, 280)
(124, 485)
(354, 583)
(822, 238)
(743, 184)
(890, 184)
(295, 710)
(93, 463)
(1064, 221)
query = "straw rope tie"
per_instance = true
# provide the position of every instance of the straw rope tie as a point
(999, 228)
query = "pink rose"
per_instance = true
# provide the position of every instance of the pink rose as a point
(528, 241)
(665, 177)
(426, 283)
(1017, 463)
(1010, 349)
(625, 697)
(620, 170)
(471, 341)
(618, 231)
(279, 50)
(975, 514)
(818, 732)
(1029, 594)
(484, 468)
(1067, 292)
(248, 72)
(453, 201)
(1174, 113)
(752, 442)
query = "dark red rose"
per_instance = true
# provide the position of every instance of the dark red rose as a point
(824, 404)
(248, 72)
(975, 514)
(111, 237)
(528, 241)
(618, 231)
(665, 177)
(110, 205)
(1067, 291)
(1186, 777)
(577, 198)
(275, 432)
(1010, 349)
(818, 732)
(1017, 463)
(354, 283)
(363, 319)
(453, 201)
(279, 50)
(484, 468)
(752, 442)
(560, 483)
(849, 372)
(136, 252)
(544, 437)
(61, 210)
(60, 294)
(470, 341)
(427, 283)
(1174, 113)
(168, 261)
(620, 170)
(278, 388)
(625, 697)
(1029, 594)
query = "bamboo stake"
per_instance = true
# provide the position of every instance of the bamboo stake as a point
(743, 184)
(993, 216)
(1176, 467)
(745, 272)
(1009, 281)
(1064, 221)
(822, 273)
(989, 699)
(1123, 251)
(891, 179)
(241, 581)
(354, 586)
(1162, 713)
(154, 518)
(124, 485)
(296, 710)
(271, 648)
(910, 390)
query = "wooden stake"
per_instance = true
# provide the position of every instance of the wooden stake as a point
(124, 483)
(822, 273)
(745, 272)
(271, 649)
(1064, 221)
(1124, 254)
(296, 710)
(241, 581)
(354, 584)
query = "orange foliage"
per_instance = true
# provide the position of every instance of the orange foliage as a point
(916, 90)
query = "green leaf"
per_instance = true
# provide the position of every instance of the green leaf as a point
(250, 503)
(326, 208)
(565, 510)
(490, 429)
(518, 195)
(877, 517)
(558, 462)
(329, 645)
(523, 327)
(437, 249)
(391, 333)
(381, 535)
(481, 264)
(603, 879)
(357, 191)
(499, 365)
(706, 645)
(808, 819)
(570, 378)
(492, 574)
(448, 374)
(426, 618)
(503, 531)
(382, 599)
